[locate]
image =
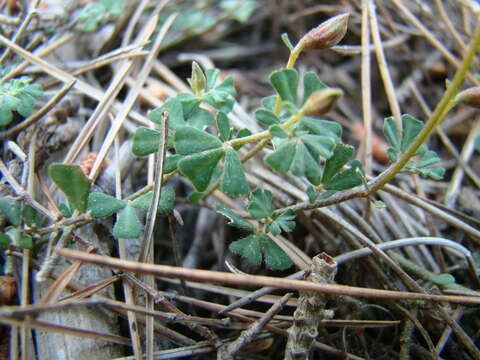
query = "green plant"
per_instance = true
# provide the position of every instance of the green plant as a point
(97, 13)
(18, 96)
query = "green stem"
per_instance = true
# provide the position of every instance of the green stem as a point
(264, 134)
(443, 107)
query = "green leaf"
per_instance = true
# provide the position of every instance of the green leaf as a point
(226, 86)
(4, 241)
(321, 145)
(195, 197)
(189, 140)
(19, 239)
(477, 143)
(312, 194)
(223, 126)
(73, 182)
(102, 205)
(260, 204)
(199, 168)
(443, 280)
(240, 134)
(285, 82)
(12, 210)
(311, 83)
(390, 132)
(31, 216)
(127, 226)
(211, 75)
(435, 173)
(281, 159)
(322, 127)
(235, 220)
(344, 180)
(428, 158)
(379, 204)
(145, 141)
(341, 155)
(171, 163)
(277, 130)
(304, 164)
(189, 104)
(269, 102)
(411, 128)
(275, 257)
(199, 118)
(249, 248)
(165, 204)
(175, 113)
(65, 210)
(234, 181)
(266, 117)
(241, 9)
(283, 222)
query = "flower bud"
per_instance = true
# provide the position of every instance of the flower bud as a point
(321, 101)
(198, 81)
(327, 34)
(470, 96)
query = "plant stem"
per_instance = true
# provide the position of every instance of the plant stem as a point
(441, 110)
(264, 134)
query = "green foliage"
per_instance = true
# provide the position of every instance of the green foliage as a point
(233, 181)
(18, 238)
(235, 220)
(12, 210)
(165, 204)
(96, 13)
(199, 168)
(127, 226)
(73, 183)
(102, 205)
(283, 221)
(256, 247)
(18, 95)
(260, 204)
(240, 9)
(145, 141)
(398, 145)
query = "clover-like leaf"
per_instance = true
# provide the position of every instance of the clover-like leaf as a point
(305, 164)
(275, 258)
(189, 140)
(311, 83)
(199, 118)
(200, 167)
(285, 83)
(322, 127)
(249, 247)
(127, 225)
(391, 134)
(145, 141)
(282, 222)
(31, 216)
(73, 183)
(223, 126)
(171, 163)
(411, 128)
(345, 180)
(235, 219)
(341, 155)
(234, 181)
(175, 113)
(165, 204)
(277, 131)
(266, 117)
(12, 210)
(260, 204)
(18, 238)
(102, 205)
(244, 132)
(281, 159)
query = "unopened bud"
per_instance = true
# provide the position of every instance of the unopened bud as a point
(327, 34)
(469, 96)
(321, 101)
(198, 81)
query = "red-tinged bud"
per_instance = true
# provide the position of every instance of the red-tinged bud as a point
(327, 34)
(321, 101)
(470, 96)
